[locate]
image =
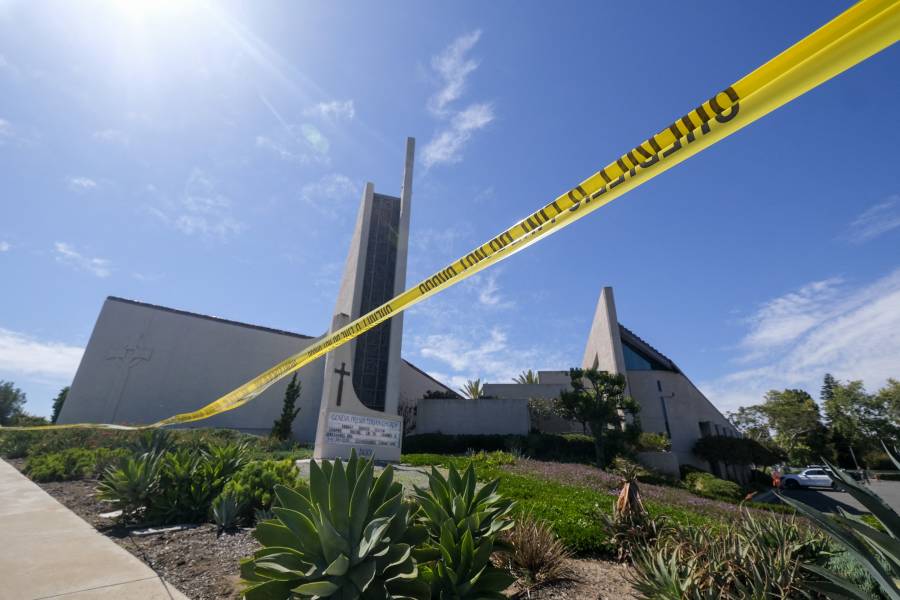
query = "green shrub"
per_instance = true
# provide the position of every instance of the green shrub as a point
(188, 483)
(74, 463)
(654, 442)
(347, 536)
(254, 485)
(710, 486)
(539, 446)
(739, 451)
(15, 444)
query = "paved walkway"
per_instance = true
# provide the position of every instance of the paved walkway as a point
(47, 551)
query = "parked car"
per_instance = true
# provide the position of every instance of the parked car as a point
(807, 478)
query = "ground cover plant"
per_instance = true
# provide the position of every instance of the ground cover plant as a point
(72, 463)
(253, 487)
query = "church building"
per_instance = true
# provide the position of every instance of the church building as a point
(144, 363)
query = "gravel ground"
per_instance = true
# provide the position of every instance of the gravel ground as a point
(593, 580)
(204, 566)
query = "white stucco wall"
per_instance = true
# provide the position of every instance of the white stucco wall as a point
(184, 361)
(414, 384)
(479, 417)
(686, 408)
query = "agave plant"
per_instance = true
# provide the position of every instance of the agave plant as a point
(226, 510)
(229, 458)
(130, 485)
(153, 442)
(630, 527)
(878, 551)
(755, 557)
(347, 537)
(463, 523)
(188, 483)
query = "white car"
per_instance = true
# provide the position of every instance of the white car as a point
(807, 478)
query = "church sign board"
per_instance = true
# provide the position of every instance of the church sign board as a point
(361, 430)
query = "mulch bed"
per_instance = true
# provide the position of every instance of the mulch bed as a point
(204, 566)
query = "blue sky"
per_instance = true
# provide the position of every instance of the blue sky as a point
(211, 158)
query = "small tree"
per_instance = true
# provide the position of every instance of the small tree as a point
(58, 403)
(597, 399)
(12, 399)
(472, 389)
(281, 429)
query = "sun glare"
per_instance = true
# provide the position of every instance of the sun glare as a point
(142, 12)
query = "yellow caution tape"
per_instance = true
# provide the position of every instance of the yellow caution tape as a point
(851, 37)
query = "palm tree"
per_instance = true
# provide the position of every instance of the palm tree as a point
(472, 389)
(526, 377)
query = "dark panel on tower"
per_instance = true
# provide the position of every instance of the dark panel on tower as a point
(373, 347)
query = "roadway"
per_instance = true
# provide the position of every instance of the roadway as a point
(827, 500)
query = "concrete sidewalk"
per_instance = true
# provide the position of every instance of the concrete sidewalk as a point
(47, 551)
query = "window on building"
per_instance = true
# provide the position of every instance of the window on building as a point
(705, 429)
(635, 360)
(718, 431)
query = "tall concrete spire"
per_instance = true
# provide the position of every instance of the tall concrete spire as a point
(361, 387)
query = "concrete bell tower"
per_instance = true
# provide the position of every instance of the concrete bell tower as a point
(361, 388)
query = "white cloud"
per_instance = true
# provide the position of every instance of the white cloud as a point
(851, 333)
(489, 291)
(454, 67)
(4, 246)
(67, 255)
(20, 353)
(111, 136)
(335, 110)
(447, 145)
(331, 195)
(782, 320)
(200, 210)
(81, 184)
(876, 220)
(484, 354)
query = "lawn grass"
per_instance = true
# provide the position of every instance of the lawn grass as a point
(571, 510)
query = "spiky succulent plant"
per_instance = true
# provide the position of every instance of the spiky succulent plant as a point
(350, 536)
(463, 522)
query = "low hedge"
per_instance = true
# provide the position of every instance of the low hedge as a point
(571, 447)
(710, 486)
(74, 463)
